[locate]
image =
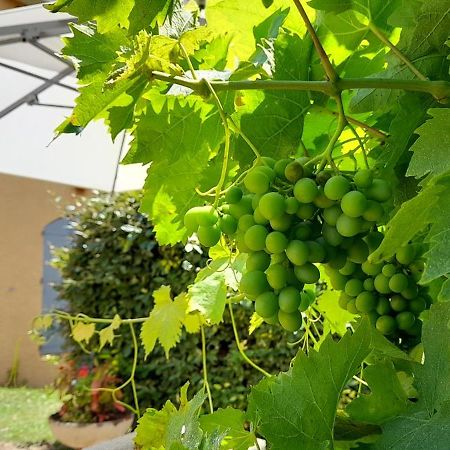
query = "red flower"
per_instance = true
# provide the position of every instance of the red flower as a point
(83, 372)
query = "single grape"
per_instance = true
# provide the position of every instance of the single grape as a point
(379, 190)
(228, 224)
(293, 171)
(371, 269)
(259, 218)
(276, 276)
(307, 273)
(411, 291)
(255, 237)
(337, 280)
(278, 258)
(276, 242)
(374, 212)
(322, 201)
(366, 302)
(331, 235)
(386, 325)
(244, 206)
(190, 221)
(381, 284)
(303, 231)
(353, 204)
(398, 282)
(353, 287)
(281, 223)
(331, 214)
(343, 300)
(205, 215)
(348, 226)
(290, 322)
(208, 235)
(268, 161)
(280, 167)
(240, 243)
(245, 222)
(266, 305)
(289, 299)
(348, 269)
(405, 255)
(351, 306)
(416, 329)
(272, 205)
(388, 270)
(305, 190)
(272, 320)
(383, 306)
(292, 205)
(358, 251)
(368, 284)
(306, 211)
(323, 176)
(257, 261)
(417, 305)
(405, 320)
(255, 200)
(337, 261)
(257, 181)
(398, 303)
(316, 252)
(233, 195)
(254, 283)
(336, 187)
(268, 171)
(363, 178)
(297, 252)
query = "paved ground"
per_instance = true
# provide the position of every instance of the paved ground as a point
(7, 446)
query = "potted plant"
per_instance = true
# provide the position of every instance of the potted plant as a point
(90, 412)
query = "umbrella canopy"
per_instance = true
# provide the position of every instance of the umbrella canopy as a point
(36, 91)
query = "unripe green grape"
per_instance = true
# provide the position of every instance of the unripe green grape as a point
(331, 214)
(358, 251)
(297, 252)
(228, 224)
(383, 306)
(366, 302)
(307, 170)
(398, 303)
(381, 284)
(257, 182)
(371, 269)
(379, 190)
(388, 270)
(266, 305)
(205, 215)
(292, 205)
(259, 261)
(316, 252)
(254, 283)
(240, 243)
(337, 261)
(405, 255)
(272, 320)
(255, 200)
(336, 187)
(276, 276)
(348, 269)
(268, 171)
(272, 205)
(305, 190)
(405, 320)
(411, 291)
(368, 284)
(293, 171)
(307, 273)
(416, 329)
(280, 167)
(190, 221)
(233, 195)
(351, 306)
(343, 300)
(386, 325)
(292, 279)
(417, 267)
(353, 204)
(322, 201)
(348, 226)
(290, 322)
(276, 242)
(363, 178)
(417, 305)
(208, 235)
(278, 258)
(244, 206)
(245, 222)
(374, 212)
(306, 211)
(353, 287)
(398, 282)
(303, 231)
(331, 235)
(323, 176)
(255, 237)
(259, 218)
(268, 161)
(281, 223)
(289, 299)
(337, 280)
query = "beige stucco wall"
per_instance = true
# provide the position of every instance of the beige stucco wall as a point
(26, 206)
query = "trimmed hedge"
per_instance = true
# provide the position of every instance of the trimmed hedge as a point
(113, 267)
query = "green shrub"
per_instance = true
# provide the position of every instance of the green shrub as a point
(113, 267)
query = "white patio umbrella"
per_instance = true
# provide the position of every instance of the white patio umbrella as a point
(36, 89)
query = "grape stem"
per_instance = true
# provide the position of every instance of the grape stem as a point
(205, 371)
(361, 144)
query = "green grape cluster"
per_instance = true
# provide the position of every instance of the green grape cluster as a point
(387, 291)
(288, 219)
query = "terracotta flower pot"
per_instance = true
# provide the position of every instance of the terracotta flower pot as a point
(80, 435)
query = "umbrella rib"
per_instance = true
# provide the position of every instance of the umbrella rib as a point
(34, 42)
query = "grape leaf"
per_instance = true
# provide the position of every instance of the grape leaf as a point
(444, 294)
(229, 422)
(165, 321)
(145, 14)
(297, 409)
(438, 257)
(83, 331)
(106, 335)
(386, 400)
(426, 424)
(431, 150)
(208, 296)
